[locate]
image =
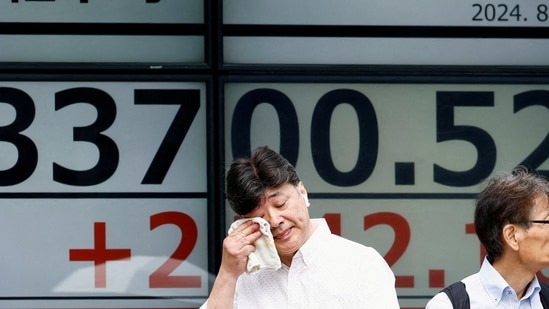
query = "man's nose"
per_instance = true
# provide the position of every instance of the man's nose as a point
(273, 217)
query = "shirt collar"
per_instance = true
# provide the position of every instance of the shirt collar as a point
(309, 250)
(496, 286)
(533, 289)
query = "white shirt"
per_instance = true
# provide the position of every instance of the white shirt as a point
(487, 289)
(328, 271)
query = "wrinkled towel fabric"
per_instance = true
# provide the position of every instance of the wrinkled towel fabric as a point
(265, 256)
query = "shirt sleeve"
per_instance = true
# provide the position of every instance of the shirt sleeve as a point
(439, 301)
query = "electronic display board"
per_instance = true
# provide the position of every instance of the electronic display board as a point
(378, 32)
(396, 165)
(150, 32)
(103, 194)
(105, 183)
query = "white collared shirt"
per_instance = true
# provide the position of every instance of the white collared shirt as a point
(487, 289)
(328, 271)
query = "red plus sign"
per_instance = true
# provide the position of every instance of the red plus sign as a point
(99, 254)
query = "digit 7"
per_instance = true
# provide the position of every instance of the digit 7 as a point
(189, 101)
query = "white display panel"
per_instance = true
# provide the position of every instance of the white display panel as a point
(104, 194)
(98, 11)
(396, 32)
(95, 32)
(100, 49)
(387, 12)
(396, 166)
(384, 51)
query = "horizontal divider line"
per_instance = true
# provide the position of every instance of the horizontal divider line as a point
(99, 195)
(415, 296)
(411, 196)
(39, 28)
(200, 195)
(385, 31)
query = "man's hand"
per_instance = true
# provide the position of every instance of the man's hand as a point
(237, 246)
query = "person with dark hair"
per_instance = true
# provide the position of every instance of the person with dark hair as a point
(318, 269)
(512, 223)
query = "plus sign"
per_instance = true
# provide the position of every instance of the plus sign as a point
(99, 254)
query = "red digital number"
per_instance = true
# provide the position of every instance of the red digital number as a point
(402, 239)
(162, 277)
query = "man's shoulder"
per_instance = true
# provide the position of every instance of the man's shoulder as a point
(341, 248)
(351, 251)
(343, 241)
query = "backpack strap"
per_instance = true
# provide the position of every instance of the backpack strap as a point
(544, 294)
(458, 295)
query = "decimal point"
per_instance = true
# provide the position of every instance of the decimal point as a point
(436, 278)
(404, 173)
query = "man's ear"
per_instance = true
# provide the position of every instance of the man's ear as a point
(303, 193)
(306, 200)
(301, 188)
(512, 235)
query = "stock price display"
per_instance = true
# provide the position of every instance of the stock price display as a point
(103, 188)
(397, 166)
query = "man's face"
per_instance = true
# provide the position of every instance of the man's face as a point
(534, 244)
(286, 211)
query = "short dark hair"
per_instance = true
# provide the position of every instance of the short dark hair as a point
(248, 178)
(508, 198)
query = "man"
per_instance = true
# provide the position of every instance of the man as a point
(319, 269)
(512, 223)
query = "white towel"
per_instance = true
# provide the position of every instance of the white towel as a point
(265, 255)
